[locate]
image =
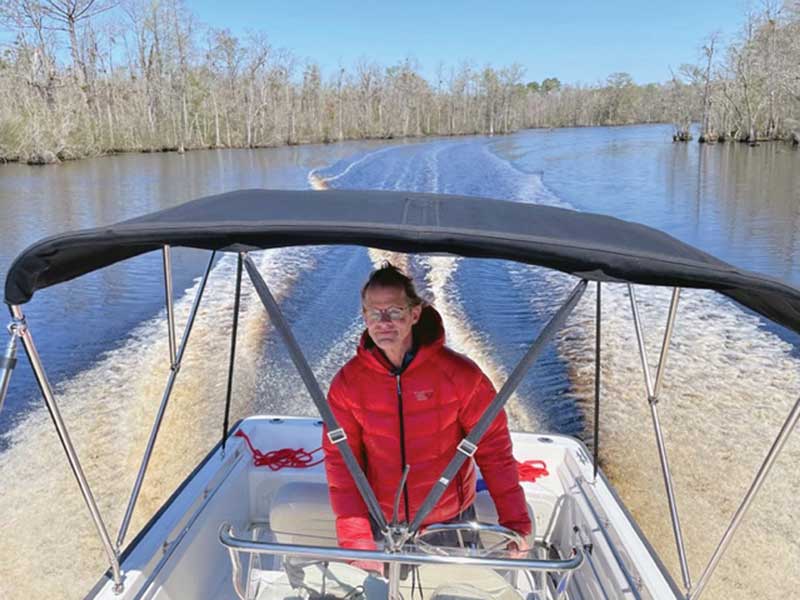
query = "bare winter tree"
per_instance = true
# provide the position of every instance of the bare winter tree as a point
(707, 133)
(67, 16)
(84, 77)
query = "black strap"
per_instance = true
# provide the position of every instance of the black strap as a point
(469, 444)
(236, 303)
(335, 433)
(597, 331)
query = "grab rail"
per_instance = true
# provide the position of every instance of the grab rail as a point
(227, 538)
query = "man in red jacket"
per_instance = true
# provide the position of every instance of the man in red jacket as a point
(405, 398)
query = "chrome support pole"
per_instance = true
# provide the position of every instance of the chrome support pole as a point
(69, 449)
(229, 540)
(597, 330)
(763, 471)
(9, 360)
(394, 582)
(151, 441)
(652, 399)
(236, 573)
(169, 296)
(637, 323)
(662, 360)
(563, 584)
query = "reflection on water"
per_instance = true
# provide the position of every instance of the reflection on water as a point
(755, 192)
(739, 203)
(103, 337)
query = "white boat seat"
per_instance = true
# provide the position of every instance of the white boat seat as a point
(486, 512)
(315, 579)
(462, 582)
(301, 513)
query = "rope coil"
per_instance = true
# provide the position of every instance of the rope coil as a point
(276, 460)
(531, 470)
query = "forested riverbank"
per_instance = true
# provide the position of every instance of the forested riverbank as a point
(90, 77)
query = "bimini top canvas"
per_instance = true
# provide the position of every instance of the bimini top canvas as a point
(586, 245)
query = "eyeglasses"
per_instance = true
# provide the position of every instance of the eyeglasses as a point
(376, 315)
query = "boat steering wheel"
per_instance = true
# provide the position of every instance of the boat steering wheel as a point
(463, 531)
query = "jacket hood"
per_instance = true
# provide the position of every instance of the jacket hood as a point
(428, 336)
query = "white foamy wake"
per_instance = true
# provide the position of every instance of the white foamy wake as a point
(325, 180)
(316, 182)
(438, 278)
(728, 386)
(398, 259)
(337, 355)
(109, 409)
(285, 390)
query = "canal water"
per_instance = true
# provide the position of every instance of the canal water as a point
(730, 380)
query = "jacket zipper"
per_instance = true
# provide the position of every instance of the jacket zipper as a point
(402, 441)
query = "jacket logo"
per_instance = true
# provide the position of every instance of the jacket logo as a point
(423, 395)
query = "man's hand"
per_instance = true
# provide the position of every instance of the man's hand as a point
(520, 550)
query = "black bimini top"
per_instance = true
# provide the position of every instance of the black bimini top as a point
(586, 245)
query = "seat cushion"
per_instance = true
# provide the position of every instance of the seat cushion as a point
(464, 582)
(486, 512)
(301, 513)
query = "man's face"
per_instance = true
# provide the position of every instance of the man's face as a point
(389, 318)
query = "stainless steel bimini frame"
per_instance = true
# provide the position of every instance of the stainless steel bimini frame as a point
(19, 330)
(175, 366)
(652, 399)
(693, 591)
(236, 545)
(9, 360)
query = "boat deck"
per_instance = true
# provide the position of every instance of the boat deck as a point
(179, 554)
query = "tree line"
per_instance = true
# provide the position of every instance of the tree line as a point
(749, 91)
(87, 77)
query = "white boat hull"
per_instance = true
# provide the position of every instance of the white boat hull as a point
(179, 556)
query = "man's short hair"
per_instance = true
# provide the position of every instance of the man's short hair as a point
(390, 276)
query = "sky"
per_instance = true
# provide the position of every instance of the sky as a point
(578, 41)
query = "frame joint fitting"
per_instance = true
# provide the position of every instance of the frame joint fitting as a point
(17, 327)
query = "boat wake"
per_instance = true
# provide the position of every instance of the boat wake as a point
(120, 394)
(323, 178)
(720, 415)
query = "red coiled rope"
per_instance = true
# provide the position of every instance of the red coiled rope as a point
(531, 470)
(285, 457)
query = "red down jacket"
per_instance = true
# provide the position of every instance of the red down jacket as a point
(417, 418)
